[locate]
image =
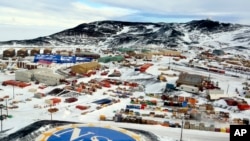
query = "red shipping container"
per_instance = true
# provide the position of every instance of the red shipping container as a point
(71, 99)
(81, 107)
(55, 100)
(231, 102)
(133, 84)
(143, 106)
(144, 67)
(104, 73)
(126, 83)
(243, 107)
(106, 84)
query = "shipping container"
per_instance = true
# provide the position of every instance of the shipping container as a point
(243, 106)
(71, 99)
(53, 101)
(145, 66)
(81, 107)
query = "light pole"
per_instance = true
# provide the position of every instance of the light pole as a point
(227, 89)
(1, 116)
(6, 105)
(13, 93)
(182, 122)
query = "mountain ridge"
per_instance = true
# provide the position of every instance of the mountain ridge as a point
(110, 33)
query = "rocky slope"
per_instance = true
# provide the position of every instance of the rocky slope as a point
(135, 34)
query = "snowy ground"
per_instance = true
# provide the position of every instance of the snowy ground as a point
(26, 113)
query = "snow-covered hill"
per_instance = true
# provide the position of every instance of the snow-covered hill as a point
(203, 33)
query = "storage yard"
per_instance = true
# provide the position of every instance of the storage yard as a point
(121, 87)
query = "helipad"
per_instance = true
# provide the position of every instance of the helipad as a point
(88, 132)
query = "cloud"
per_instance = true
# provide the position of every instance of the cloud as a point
(217, 9)
(49, 14)
(55, 13)
(63, 14)
(100, 13)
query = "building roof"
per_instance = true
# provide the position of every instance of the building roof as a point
(217, 96)
(47, 48)
(106, 59)
(10, 49)
(41, 70)
(22, 49)
(192, 79)
(23, 72)
(87, 65)
(48, 74)
(84, 67)
(3, 65)
(86, 53)
(35, 49)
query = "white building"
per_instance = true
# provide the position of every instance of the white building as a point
(43, 75)
(47, 76)
(216, 94)
(23, 75)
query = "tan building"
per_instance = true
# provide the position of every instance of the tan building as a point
(148, 56)
(64, 53)
(171, 53)
(167, 53)
(85, 67)
(23, 52)
(9, 53)
(47, 51)
(139, 56)
(190, 79)
(3, 66)
(34, 51)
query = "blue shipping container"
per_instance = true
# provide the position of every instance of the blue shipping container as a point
(184, 104)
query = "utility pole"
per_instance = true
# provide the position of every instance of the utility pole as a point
(13, 92)
(209, 77)
(169, 63)
(182, 122)
(1, 116)
(227, 88)
(51, 113)
(6, 104)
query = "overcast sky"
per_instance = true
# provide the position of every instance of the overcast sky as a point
(27, 19)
